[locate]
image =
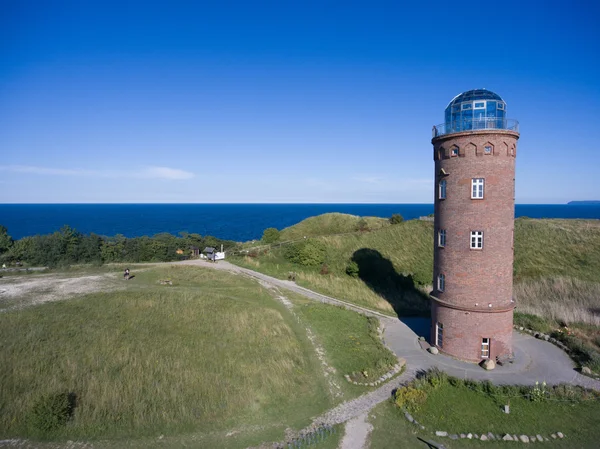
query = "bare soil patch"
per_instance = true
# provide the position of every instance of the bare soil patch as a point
(17, 292)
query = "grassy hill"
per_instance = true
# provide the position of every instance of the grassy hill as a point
(213, 360)
(329, 224)
(554, 259)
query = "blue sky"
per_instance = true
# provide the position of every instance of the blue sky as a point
(285, 101)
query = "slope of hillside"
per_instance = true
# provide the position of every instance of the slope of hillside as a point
(548, 248)
(544, 249)
(332, 223)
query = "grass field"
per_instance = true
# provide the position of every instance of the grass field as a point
(556, 265)
(461, 410)
(350, 339)
(210, 356)
(212, 352)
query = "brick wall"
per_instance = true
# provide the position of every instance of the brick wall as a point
(478, 282)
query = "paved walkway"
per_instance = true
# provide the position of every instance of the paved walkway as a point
(535, 360)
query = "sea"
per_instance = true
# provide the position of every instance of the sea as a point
(238, 222)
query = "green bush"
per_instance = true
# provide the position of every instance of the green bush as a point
(271, 235)
(51, 412)
(309, 253)
(362, 225)
(436, 377)
(352, 269)
(456, 382)
(396, 219)
(410, 398)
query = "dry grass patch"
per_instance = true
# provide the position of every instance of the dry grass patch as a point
(562, 299)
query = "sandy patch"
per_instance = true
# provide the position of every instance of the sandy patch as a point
(17, 292)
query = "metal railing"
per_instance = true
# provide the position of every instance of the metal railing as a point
(475, 124)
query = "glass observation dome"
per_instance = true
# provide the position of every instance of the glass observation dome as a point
(476, 109)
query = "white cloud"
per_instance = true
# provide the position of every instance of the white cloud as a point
(144, 172)
(164, 173)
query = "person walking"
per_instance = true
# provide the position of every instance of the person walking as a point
(126, 274)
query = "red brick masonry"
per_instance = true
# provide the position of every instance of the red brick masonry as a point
(477, 299)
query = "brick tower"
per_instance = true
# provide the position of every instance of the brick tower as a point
(474, 153)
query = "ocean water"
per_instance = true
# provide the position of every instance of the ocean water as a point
(239, 222)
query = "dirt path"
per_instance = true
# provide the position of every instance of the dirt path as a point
(18, 292)
(357, 433)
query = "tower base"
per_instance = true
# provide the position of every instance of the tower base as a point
(471, 334)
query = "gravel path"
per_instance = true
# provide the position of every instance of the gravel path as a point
(357, 433)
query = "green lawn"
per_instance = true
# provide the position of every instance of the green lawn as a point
(215, 360)
(462, 410)
(214, 352)
(350, 339)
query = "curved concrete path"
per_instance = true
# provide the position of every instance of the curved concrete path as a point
(535, 360)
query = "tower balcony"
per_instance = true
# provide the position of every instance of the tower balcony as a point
(476, 124)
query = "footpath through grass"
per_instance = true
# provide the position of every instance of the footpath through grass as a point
(350, 340)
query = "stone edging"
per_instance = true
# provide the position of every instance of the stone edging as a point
(495, 437)
(541, 336)
(391, 373)
(485, 437)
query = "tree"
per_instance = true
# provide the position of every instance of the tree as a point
(307, 252)
(271, 235)
(396, 219)
(6, 240)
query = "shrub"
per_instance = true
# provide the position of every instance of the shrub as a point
(490, 389)
(538, 392)
(436, 377)
(474, 385)
(324, 269)
(456, 382)
(410, 398)
(362, 225)
(511, 391)
(566, 392)
(352, 269)
(52, 411)
(270, 235)
(396, 219)
(309, 253)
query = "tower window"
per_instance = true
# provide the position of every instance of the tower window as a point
(442, 190)
(500, 105)
(477, 188)
(439, 334)
(485, 348)
(476, 239)
(466, 106)
(479, 105)
(442, 238)
(454, 152)
(487, 149)
(441, 281)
